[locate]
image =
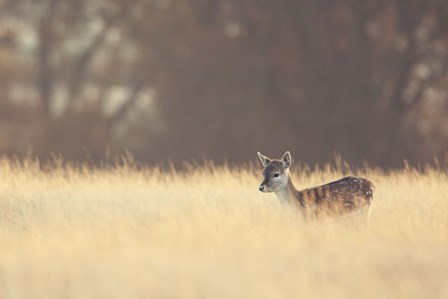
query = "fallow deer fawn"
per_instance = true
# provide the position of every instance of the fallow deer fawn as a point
(348, 194)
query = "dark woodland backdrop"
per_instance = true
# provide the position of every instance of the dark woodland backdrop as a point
(174, 80)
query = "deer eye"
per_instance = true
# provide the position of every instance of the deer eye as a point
(276, 175)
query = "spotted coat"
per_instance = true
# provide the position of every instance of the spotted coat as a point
(344, 195)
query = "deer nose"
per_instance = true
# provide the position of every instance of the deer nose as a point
(262, 187)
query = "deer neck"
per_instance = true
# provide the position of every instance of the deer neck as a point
(288, 193)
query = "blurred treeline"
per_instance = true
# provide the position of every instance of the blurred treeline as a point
(170, 80)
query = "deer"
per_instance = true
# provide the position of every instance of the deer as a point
(348, 194)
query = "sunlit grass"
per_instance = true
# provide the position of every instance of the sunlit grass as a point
(125, 232)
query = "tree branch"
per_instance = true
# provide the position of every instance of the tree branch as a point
(129, 103)
(409, 22)
(82, 63)
(84, 59)
(46, 79)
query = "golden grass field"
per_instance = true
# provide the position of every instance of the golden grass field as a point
(209, 233)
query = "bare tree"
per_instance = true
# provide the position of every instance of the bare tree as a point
(174, 80)
(75, 47)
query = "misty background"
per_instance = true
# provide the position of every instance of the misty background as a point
(179, 80)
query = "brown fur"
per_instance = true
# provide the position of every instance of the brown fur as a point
(345, 195)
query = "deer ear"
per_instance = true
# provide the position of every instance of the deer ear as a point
(264, 160)
(286, 160)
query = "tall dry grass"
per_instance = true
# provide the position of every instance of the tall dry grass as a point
(209, 233)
